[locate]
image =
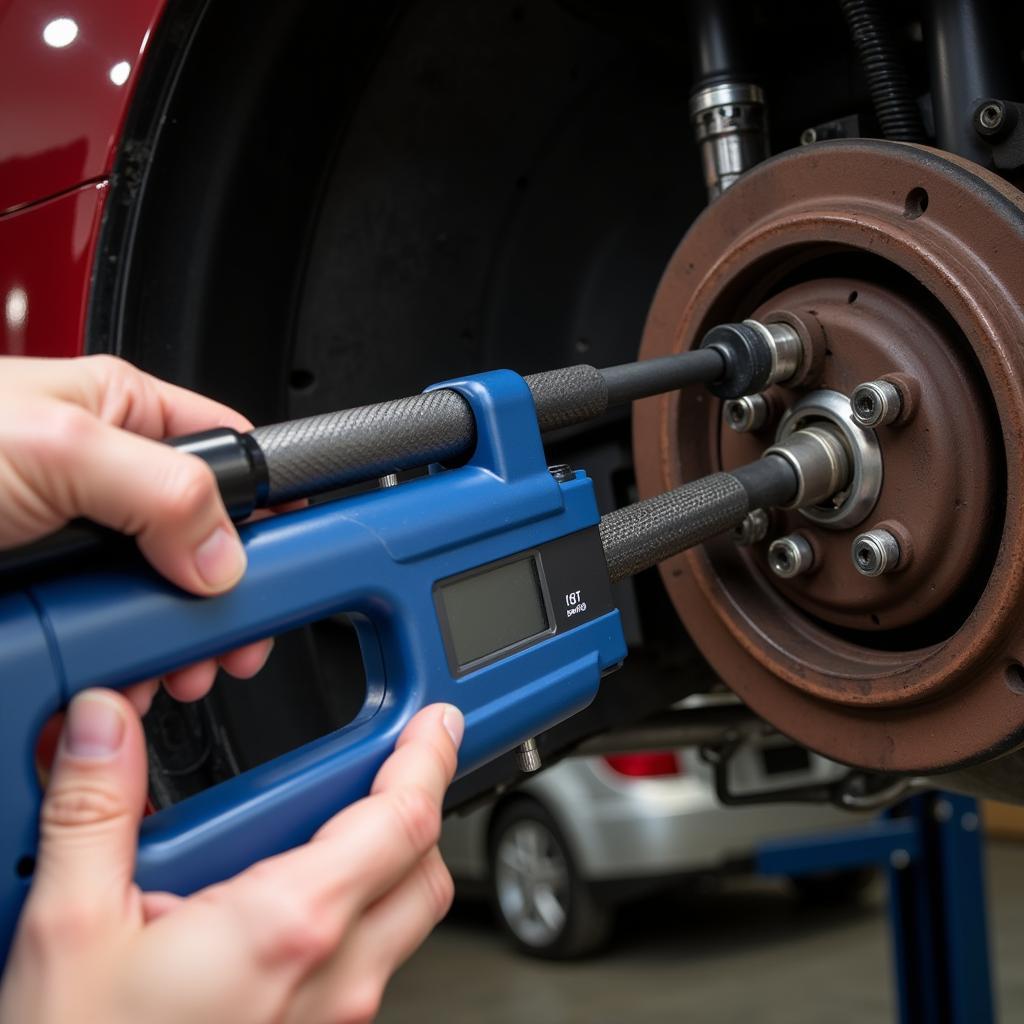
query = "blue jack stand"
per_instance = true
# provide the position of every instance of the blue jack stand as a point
(932, 849)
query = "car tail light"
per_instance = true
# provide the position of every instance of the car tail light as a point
(647, 764)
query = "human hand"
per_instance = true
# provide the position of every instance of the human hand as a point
(307, 937)
(79, 437)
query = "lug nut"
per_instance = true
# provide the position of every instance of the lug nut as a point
(753, 529)
(876, 403)
(790, 556)
(875, 553)
(747, 413)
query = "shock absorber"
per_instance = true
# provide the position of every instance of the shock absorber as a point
(727, 107)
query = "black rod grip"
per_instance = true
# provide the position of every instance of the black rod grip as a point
(649, 531)
(320, 453)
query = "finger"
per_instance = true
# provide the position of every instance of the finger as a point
(191, 683)
(76, 465)
(395, 927)
(124, 396)
(349, 985)
(245, 662)
(90, 814)
(141, 695)
(359, 855)
(426, 753)
(196, 681)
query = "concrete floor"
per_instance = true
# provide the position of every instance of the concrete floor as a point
(745, 952)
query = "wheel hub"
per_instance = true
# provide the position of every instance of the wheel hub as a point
(897, 263)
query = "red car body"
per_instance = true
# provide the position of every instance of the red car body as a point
(67, 75)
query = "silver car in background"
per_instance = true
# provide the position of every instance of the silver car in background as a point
(560, 851)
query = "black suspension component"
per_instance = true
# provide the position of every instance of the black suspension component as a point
(971, 58)
(895, 105)
(719, 47)
(727, 105)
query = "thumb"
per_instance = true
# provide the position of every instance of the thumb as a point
(89, 820)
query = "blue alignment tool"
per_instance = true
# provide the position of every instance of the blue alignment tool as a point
(484, 586)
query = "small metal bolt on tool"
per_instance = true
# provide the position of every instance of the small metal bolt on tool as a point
(753, 529)
(528, 756)
(790, 556)
(388, 480)
(747, 413)
(562, 473)
(876, 403)
(875, 553)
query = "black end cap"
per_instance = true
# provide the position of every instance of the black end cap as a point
(748, 360)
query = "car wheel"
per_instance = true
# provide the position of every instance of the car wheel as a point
(538, 894)
(833, 888)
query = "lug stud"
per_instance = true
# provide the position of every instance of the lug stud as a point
(753, 529)
(790, 556)
(876, 403)
(747, 413)
(875, 553)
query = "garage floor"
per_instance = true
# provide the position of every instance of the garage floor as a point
(745, 952)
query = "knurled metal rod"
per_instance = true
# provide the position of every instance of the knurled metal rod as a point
(647, 532)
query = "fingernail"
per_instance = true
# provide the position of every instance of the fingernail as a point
(94, 727)
(454, 724)
(220, 559)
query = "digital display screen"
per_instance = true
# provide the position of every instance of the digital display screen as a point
(494, 609)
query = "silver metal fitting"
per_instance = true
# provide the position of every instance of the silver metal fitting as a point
(785, 346)
(820, 461)
(852, 503)
(388, 480)
(876, 403)
(747, 413)
(790, 556)
(753, 529)
(528, 756)
(732, 132)
(875, 553)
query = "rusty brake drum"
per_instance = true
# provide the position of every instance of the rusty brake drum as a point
(896, 262)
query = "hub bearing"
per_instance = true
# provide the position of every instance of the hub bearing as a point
(892, 262)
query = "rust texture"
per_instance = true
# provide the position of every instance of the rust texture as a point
(917, 670)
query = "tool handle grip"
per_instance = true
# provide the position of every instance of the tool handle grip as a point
(320, 453)
(109, 628)
(642, 534)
